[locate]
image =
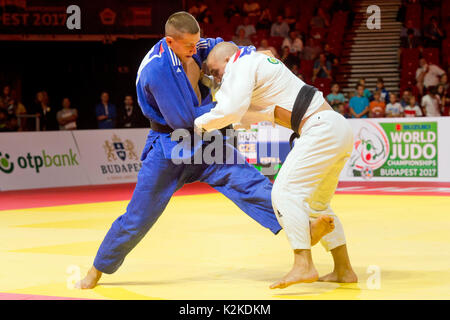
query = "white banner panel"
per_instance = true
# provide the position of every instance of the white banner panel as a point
(30, 160)
(111, 156)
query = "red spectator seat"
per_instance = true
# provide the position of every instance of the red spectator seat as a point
(235, 21)
(414, 13)
(410, 54)
(339, 18)
(306, 68)
(324, 85)
(431, 55)
(410, 65)
(276, 42)
(408, 75)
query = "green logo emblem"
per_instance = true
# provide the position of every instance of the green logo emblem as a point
(273, 60)
(5, 165)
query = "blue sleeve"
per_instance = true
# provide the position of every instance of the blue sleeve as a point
(204, 47)
(174, 100)
(114, 111)
(98, 111)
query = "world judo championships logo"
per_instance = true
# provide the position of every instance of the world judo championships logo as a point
(371, 150)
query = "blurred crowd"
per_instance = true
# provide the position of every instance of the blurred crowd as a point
(44, 115)
(308, 39)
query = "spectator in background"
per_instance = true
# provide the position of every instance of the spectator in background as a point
(359, 104)
(241, 39)
(412, 109)
(264, 20)
(279, 28)
(330, 55)
(432, 34)
(336, 99)
(198, 8)
(444, 81)
(231, 10)
(131, 116)
(248, 28)
(440, 90)
(106, 112)
(445, 103)
(322, 68)
(295, 70)
(290, 18)
(5, 96)
(288, 58)
(46, 114)
(367, 92)
(384, 93)
(340, 5)
(205, 17)
(394, 109)
(407, 93)
(4, 123)
(251, 8)
(15, 109)
(410, 41)
(311, 50)
(294, 43)
(67, 116)
(320, 20)
(431, 103)
(264, 45)
(409, 25)
(427, 75)
(377, 106)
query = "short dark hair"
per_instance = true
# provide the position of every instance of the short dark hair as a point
(181, 22)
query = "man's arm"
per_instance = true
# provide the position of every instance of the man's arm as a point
(233, 97)
(204, 47)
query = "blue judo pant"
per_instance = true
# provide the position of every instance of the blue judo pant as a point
(157, 181)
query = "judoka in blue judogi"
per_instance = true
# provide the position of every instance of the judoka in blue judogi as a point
(167, 98)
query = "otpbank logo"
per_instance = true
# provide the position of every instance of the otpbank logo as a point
(36, 162)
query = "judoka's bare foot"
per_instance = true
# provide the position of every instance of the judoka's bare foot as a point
(343, 271)
(321, 226)
(302, 271)
(346, 276)
(91, 279)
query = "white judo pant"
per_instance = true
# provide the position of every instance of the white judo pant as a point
(309, 176)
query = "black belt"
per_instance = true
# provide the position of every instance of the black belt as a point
(301, 104)
(155, 126)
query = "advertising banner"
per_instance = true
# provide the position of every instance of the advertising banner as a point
(31, 160)
(111, 156)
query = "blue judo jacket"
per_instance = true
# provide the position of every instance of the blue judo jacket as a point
(165, 94)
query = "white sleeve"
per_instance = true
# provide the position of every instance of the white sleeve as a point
(234, 96)
(418, 111)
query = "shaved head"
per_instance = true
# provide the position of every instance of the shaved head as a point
(222, 51)
(181, 22)
(182, 35)
(219, 57)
